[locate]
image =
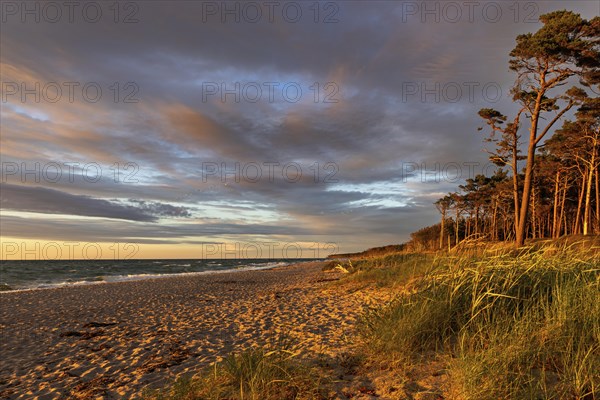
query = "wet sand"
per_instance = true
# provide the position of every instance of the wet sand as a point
(112, 340)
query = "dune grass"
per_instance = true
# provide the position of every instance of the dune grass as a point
(508, 324)
(523, 326)
(257, 373)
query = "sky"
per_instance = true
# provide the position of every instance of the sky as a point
(210, 129)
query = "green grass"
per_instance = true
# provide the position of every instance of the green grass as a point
(514, 327)
(389, 271)
(258, 373)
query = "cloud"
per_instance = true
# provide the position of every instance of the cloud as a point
(370, 134)
(115, 230)
(160, 209)
(51, 201)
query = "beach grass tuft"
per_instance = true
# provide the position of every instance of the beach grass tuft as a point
(257, 373)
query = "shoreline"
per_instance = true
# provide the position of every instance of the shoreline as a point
(150, 276)
(115, 339)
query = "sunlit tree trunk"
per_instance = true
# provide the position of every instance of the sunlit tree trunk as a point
(588, 194)
(527, 183)
(495, 220)
(562, 219)
(533, 214)
(456, 226)
(555, 205)
(577, 228)
(597, 229)
(442, 229)
(586, 211)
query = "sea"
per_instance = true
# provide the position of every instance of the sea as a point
(45, 274)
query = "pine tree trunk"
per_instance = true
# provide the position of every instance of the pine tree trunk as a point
(555, 205)
(457, 216)
(533, 215)
(577, 226)
(588, 194)
(597, 224)
(494, 235)
(515, 169)
(527, 184)
(562, 218)
(442, 229)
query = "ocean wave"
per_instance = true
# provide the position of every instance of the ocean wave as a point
(95, 280)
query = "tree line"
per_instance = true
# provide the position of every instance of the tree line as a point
(547, 183)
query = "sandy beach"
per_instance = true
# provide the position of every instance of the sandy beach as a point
(112, 340)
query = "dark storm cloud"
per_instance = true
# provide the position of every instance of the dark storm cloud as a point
(51, 201)
(161, 210)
